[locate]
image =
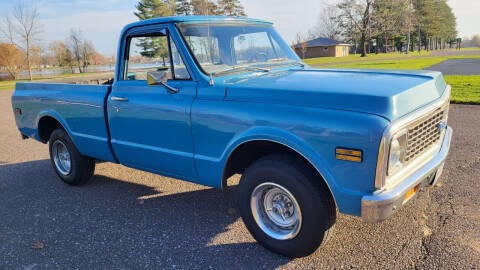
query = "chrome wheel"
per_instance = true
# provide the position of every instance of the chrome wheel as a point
(276, 211)
(61, 157)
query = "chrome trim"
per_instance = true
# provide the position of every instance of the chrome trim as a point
(61, 158)
(114, 98)
(276, 211)
(382, 204)
(403, 122)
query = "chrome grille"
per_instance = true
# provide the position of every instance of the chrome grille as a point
(424, 134)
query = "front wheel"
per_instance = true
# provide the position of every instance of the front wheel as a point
(71, 166)
(285, 206)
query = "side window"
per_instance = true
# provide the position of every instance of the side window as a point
(179, 69)
(149, 53)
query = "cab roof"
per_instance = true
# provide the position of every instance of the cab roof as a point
(199, 19)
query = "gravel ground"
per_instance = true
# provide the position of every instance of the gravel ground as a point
(458, 67)
(130, 219)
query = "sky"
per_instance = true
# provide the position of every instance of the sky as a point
(102, 20)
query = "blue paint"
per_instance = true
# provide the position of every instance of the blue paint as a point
(190, 135)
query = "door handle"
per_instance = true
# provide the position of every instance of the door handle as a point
(119, 98)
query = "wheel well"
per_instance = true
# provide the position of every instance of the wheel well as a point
(46, 126)
(247, 153)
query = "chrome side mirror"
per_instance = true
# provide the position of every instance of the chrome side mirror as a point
(156, 77)
(160, 78)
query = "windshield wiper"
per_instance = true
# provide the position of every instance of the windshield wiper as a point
(258, 69)
(239, 69)
(288, 64)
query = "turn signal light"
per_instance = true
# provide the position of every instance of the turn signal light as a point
(348, 154)
(410, 193)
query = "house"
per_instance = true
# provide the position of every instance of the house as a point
(322, 47)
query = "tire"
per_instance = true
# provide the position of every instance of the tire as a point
(73, 168)
(283, 179)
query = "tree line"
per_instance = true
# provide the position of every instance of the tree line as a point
(153, 47)
(400, 25)
(20, 47)
(147, 9)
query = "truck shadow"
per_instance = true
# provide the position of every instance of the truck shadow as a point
(119, 224)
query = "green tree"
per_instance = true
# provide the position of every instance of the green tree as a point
(437, 22)
(184, 7)
(204, 7)
(447, 24)
(388, 20)
(231, 8)
(146, 9)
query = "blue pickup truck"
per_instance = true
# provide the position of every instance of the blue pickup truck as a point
(204, 98)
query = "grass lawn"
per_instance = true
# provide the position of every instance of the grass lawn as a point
(356, 57)
(468, 49)
(465, 88)
(415, 63)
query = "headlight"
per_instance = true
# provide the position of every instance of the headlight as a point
(398, 146)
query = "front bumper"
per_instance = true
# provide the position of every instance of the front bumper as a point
(380, 206)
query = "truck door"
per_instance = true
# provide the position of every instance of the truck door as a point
(150, 124)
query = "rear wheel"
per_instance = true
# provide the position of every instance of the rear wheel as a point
(285, 206)
(72, 167)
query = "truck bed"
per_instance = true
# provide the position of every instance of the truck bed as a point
(80, 108)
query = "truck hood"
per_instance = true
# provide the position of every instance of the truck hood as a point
(387, 93)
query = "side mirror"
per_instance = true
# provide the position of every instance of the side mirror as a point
(156, 77)
(160, 78)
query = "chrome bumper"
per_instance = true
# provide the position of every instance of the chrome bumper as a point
(380, 206)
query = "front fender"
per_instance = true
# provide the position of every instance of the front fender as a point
(287, 139)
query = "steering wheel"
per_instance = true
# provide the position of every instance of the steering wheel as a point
(256, 56)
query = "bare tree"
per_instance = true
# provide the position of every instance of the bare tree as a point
(81, 49)
(62, 54)
(476, 40)
(303, 46)
(356, 14)
(75, 43)
(22, 29)
(88, 50)
(327, 24)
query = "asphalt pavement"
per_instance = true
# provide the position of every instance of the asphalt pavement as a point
(128, 219)
(469, 66)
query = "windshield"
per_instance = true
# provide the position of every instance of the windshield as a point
(224, 48)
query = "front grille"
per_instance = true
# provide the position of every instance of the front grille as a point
(424, 134)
